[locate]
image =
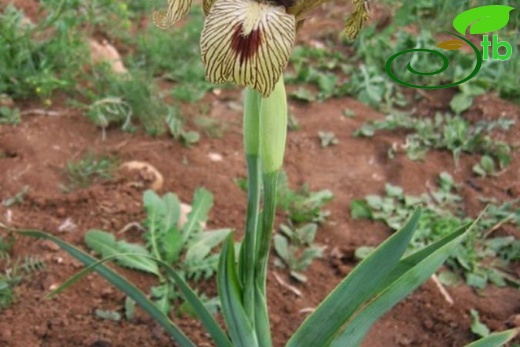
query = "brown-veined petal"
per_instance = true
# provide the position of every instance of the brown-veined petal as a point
(247, 43)
(206, 6)
(176, 10)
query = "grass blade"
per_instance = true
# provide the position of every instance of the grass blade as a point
(322, 325)
(262, 327)
(411, 273)
(121, 283)
(239, 325)
(200, 310)
(495, 339)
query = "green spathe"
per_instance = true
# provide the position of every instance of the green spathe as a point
(273, 128)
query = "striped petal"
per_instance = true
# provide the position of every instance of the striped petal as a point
(176, 10)
(206, 6)
(247, 43)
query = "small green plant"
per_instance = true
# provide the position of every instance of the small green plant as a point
(480, 259)
(14, 274)
(182, 67)
(477, 327)
(327, 139)
(176, 127)
(17, 198)
(36, 65)
(296, 249)
(445, 132)
(212, 127)
(486, 166)
(122, 99)
(84, 172)
(302, 206)
(187, 247)
(9, 115)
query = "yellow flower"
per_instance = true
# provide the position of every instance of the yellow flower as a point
(248, 42)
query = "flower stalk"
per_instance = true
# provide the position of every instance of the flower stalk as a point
(265, 131)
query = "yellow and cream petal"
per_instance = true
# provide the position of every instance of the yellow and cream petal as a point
(176, 10)
(247, 42)
(206, 6)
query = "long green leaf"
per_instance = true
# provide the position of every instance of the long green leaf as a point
(173, 210)
(321, 326)
(198, 306)
(415, 258)
(155, 214)
(200, 310)
(128, 255)
(495, 339)
(121, 283)
(239, 325)
(201, 204)
(262, 327)
(411, 273)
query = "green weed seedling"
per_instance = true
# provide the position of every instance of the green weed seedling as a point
(17, 198)
(327, 139)
(34, 65)
(302, 206)
(188, 248)
(10, 115)
(175, 123)
(13, 274)
(296, 249)
(445, 132)
(212, 127)
(480, 259)
(84, 172)
(183, 66)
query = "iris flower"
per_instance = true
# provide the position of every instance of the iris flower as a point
(248, 42)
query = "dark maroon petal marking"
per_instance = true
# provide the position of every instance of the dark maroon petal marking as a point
(245, 46)
(286, 3)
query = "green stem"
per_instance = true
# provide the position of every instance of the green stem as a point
(270, 182)
(253, 209)
(273, 133)
(252, 150)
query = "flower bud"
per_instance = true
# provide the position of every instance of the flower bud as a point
(273, 128)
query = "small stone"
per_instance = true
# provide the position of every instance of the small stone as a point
(50, 246)
(215, 156)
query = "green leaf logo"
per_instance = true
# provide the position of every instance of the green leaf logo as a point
(483, 19)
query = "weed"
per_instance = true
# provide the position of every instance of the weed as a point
(158, 52)
(175, 124)
(13, 275)
(348, 113)
(296, 248)
(17, 198)
(327, 139)
(292, 123)
(481, 258)
(84, 172)
(187, 247)
(9, 115)
(117, 99)
(32, 64)
(211, 126)
(447, 132)
(302, 206)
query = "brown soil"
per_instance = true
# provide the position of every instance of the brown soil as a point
(35, 154)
